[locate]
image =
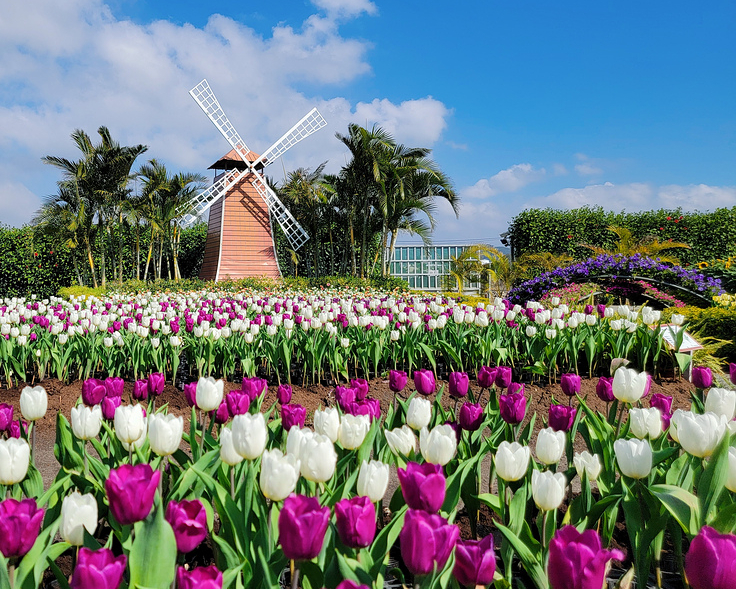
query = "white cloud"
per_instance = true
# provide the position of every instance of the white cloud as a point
(413, 122)
(697, 196)
(632, 196)
(559, 170)
(509, 180)
(587, 169)
(17, 203)
(346, 7)
(459, 146)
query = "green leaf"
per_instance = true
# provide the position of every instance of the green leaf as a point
(725, 520)
(682, 504)
(152, 560)
(529, 560)
(713, 480)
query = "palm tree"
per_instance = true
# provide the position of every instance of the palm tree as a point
(629, 245)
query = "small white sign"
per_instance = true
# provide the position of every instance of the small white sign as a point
(689, 343)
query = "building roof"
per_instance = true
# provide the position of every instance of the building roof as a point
(232, 159)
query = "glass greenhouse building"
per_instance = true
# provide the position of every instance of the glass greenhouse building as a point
(424, 268)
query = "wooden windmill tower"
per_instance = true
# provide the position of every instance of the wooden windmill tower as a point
(242, 205)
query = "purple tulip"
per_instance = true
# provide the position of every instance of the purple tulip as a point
(222, 415)
(516, 387)
(475, 561)
(140, 389)
(397, 380)
(108, 405)
(455, 428)
(356, 521)
(361, 388)
(190, 392)
(588, 310)
(156, 382)
(345, 396)
(93, 391)
(561, 417)
(577, 561)
(130, 492)
(20, 523)
(512, 407)
(114, 386)
(732, 372)
(424, 381)
(486, 377)
(199, 578)
(503, 377)
(648, 386)
(661, 402)
(98, 569)
(427, 541)
(284, 393)
(711, 560)
(459, 384)
(570, 384)
(702, 377)
(254, 387)
(302, 526)
(471, 416)
(604, 389)
(368, 406)
(601, 310)
(237, 402)
(292, 415)
(14, 429)
(6, 416)
(189, 522)
(423, 486)
(349, 584)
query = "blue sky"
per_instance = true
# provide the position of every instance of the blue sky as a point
(627, 105)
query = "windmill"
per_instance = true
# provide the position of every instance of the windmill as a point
(241, 203)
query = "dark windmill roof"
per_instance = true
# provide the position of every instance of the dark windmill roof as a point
(232, 160)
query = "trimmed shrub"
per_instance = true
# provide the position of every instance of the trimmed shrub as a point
(715, 322)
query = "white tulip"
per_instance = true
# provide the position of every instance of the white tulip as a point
(279, 474)
(512, 460)
(373, 480)
(249, 435)
(130, 424)
(327, 423)
(209, 393)
(77, 513)
(718, 401)
(645, 422)
(550, 445)
(548, 489)
(634, 457)
(86, 421)
(33, 403)
(401, 440)
(164, 433)
(589, 463)
(227, 451)
(731, 480)
(318, 458)
(353, 430)
(628, 384)
(296, 438)
(419, 413)
(14, 457)
(700, 434)
(439, 445)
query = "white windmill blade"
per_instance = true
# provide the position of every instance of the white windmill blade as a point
(205, 199)
(294, 232)
(311, 122)
(205, 98)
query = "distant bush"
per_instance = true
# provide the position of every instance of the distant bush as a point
(715, 322)
(67, 292)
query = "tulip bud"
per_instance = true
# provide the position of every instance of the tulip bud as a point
(33, 403)
(512, 407)
(699, 435)
(426, 541)
(199, 578)
(604, 389)
(634, 457)
(155, 384)
(709, 563)
(373, 480)
(401, 440)
(14, 458)
(237, 403)
(353, 430)
(140, 389)
(424, 381)
(561, 417)
(504, 376)
(731, 478)
(209, 393)
(302, 527)
(423, 486)
(292, 415)
(318, 458)
(550, 445)
(570, 384)
(486, 377)
(471, 416)
(578, 560)
(164, 433)
(249, 435)
(228, 454)
(130, 423)
(439, 445)
(130, 492)
(475, 562)
(188, 519)
(459, 384)
(511, 460)
(108, 405)
(548, 489)
(78, 512)
(327, 423)
(645, 422)
(419, 413)
(114, 386)
(98, 569)
(702, 377)
(628, 384)
(284, 393)
(397, 380)
(279, 474)
(588, 463)
(355, 520)
(93, 391)
(720, 402)
(6, 416)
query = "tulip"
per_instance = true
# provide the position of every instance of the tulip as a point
(628, 384)
(711, 560)
(589, 463)
(548, 489)
(512, 407)
(423, 486)
(664, 404)
(732, 373)
(14, 458)
(350, 584)
(512, 461)
(355, 520)
(86, 421)
(570, 384)
(20, 523)
(155, 384)
(397, 380)
(360, 385)
(109, 405)
(647, 387)
(353, 430)
(93, 391)
(14, 429)
(424, 381)
(283, 394)
(188, 519)
(459, 384)
(140, 389)
(438, 445)
(130, 423)
(164, 433)
(503, 377)
(254, 387)
(419, 413)
(292, 415)
(98, 569)
(78, 512)
(475, 562)
(604, 389)
(426, 541)
(577, 560)
(373, 480)
(114, 386)
(721, 402)
(345, 396)
(33, 403)
(700, 434)
(486, 377)
(296, 438)
(401, 440)
(302, 526)
(190, 393)
(645, 422)
(318, 458)
(222, 415)
(249, 435)
(237, 403)
(634, 457)
(561, 417)
(279, 474)
(6, 416)
(209, 393)
(199, 578)
(731, 478)
(130, 492)
(550, 445)
(327, 423)
(702, 377)
(471, 416)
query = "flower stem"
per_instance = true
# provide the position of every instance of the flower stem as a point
(294, 574)
(232, 483)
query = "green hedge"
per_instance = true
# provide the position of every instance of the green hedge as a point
(710, 235)
(715, 322)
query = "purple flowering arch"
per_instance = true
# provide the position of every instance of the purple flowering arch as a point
(614, 267)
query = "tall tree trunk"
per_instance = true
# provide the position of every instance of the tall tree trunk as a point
(91, 261)
(160, 258)
(76, 268)
(148, 258)
(382, 250)
(137, 252)
(103, 271)
(394, 235)
(332, 252)
(352, 245)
